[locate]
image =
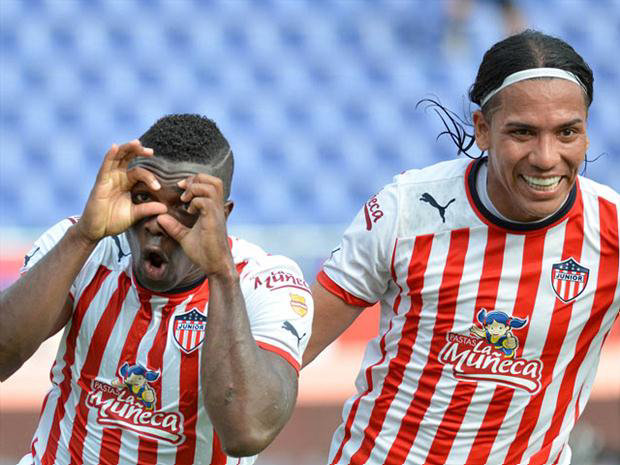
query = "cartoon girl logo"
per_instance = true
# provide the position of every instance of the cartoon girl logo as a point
(496, 329)
(136, 379)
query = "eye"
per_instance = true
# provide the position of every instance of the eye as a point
(140, 197)
(522, 132)
(568, 132)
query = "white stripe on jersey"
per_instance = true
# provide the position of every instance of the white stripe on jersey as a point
(129, 334)
(556, 341)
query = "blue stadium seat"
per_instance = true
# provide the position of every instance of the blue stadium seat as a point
(318, 98)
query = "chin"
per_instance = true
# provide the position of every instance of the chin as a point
(152, 285)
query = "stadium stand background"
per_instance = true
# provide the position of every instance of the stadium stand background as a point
(317, 98)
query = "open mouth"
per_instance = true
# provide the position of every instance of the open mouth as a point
(155, 264)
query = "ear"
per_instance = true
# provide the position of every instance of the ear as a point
(481, 130)
(228, 207)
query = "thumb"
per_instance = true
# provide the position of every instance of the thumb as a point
(172, 227)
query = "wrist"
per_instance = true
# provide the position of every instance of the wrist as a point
(81, 239)
(225, 273)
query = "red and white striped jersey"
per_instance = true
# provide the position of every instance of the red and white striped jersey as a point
(126, 384)
(490, 331)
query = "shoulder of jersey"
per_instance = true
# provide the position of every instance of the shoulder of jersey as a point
(442, 171)
(591, 187)
(257, 260)
(111, 252)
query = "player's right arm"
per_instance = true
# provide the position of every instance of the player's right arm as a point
(332, 316)
(38, 305)
(357, 273)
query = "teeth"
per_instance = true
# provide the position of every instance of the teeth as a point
(545, 183)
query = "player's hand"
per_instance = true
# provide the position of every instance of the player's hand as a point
(109, 209)
(206, 242)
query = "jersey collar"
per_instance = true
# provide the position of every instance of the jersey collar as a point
(489, 218)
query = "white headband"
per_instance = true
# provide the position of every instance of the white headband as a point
(530, 74)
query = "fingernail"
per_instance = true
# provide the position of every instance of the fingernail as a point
(156, 184)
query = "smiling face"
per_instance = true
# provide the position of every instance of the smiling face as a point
(135, 380)
(536, 139)
(159, 262)
(496, 328)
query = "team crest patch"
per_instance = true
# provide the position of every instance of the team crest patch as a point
(298, 304)
(488, 353)
(189, 330)
(569, 279)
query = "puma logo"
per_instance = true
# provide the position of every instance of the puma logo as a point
(289, 327)
(121, 254)
(28, 257)
(428, 198)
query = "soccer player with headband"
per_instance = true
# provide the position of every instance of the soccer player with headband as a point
(514, 232)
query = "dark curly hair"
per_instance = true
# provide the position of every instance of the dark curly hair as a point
(191, 138)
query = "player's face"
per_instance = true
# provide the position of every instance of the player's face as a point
(159, 262)
(536, 141)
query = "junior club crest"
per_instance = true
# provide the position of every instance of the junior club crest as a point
(189, 330)
(569, 279)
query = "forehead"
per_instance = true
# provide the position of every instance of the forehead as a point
(543, 99)
(170, 170)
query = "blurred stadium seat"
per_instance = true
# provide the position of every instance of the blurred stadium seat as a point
(317, 97)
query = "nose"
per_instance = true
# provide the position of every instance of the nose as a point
(152, 226)
(545, 155)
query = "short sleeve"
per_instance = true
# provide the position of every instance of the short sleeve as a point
(280, 307)
(45, 243)
(48, 240)
(358, 270)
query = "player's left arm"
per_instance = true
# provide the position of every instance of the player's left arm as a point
(249, 392)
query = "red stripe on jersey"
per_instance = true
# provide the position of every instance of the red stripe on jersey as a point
(444, 321)
(603, 299)
(354, 407)
(96, 348)
(282, 353)
(111, 439)
(218, 457)
(397, 365)
(524, 304)
(147, 448)
(339, 292)
(49, 457)
(189, 391)
(189, 387)
(560, 319)
(463, 393)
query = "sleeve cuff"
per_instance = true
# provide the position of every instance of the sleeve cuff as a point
(281, 352)
(339, 292)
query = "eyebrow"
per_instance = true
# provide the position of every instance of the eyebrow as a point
(519, 125)
(143, 185)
